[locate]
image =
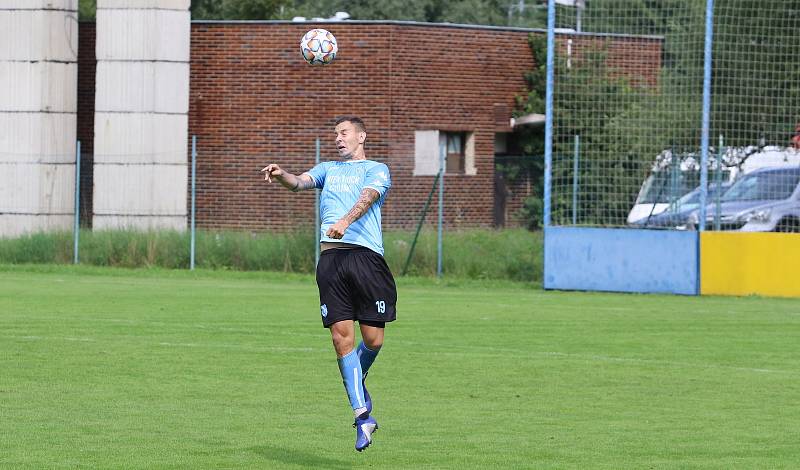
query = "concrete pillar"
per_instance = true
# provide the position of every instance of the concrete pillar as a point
(38, 111)
(141, 114)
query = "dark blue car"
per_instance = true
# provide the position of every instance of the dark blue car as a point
(764, 200)
(681, 214)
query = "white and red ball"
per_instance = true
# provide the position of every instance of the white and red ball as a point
(319, 47)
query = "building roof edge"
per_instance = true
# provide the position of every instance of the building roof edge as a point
(424, 24)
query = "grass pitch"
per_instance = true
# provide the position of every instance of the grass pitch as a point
(105, 368)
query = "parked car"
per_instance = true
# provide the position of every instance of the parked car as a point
(680, 212)
(762, 201)
(765, 200)
(673, 176)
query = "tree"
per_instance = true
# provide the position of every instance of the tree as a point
(434, 11)
(623, 126)
(756, 86)
(213, 9)
(238, 9)
(86, 10)
(531, 140)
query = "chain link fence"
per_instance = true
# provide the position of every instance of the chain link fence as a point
(628, 145)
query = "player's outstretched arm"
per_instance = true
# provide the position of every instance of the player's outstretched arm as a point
(365, 200)
(287, 180)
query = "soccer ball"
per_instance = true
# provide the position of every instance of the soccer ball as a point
(318, 47)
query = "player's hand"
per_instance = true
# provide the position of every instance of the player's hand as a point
(337, 230)
(270, 171)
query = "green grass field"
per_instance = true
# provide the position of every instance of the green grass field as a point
(104, 368)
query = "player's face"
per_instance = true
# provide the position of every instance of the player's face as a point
(348, 139)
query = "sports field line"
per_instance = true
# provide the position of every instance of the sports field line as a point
(514, 353)
(596, 357)
(176, 325)
(466, 351)
(170, 344)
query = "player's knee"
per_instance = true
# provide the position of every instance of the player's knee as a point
(343, 348)
(339, 335)
(373, 343)
(342, 341)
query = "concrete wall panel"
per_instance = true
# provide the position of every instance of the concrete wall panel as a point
(38, 86)
(141, 120)
(143, 35)
(161, 87)
(140, 138)
(30, 35)
(14, 225)
(140, 190)
(161, 4)
(39, 189)
(38, 105)
(41, 5)
(132, 222)
(621, 260)
(37, 137)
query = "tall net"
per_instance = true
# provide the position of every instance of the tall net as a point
(628, 107)
(755, 119)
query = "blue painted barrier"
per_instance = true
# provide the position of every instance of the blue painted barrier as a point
(621, 260)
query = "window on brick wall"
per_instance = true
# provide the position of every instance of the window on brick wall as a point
(454, 143)
(459, 148)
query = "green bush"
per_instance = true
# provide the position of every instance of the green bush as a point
(513, 254)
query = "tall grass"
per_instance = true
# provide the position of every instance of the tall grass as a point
(37, 248)
(514, 254)
(475, 254)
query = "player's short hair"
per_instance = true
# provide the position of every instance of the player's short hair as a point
(355, 120)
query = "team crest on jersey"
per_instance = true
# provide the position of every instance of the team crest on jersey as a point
(324, 310)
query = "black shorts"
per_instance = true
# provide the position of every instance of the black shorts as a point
(355, 284)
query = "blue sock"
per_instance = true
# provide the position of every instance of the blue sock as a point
(367, 356)
(350, 368)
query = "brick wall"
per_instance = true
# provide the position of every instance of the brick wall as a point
(453, 79)
(254, 101)
(517, 192)
(87, 65)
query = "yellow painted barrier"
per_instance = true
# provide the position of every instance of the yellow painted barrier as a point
(736, 263)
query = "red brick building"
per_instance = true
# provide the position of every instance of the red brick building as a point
(253, 101)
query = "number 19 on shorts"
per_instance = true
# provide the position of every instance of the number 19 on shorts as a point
(381, 306)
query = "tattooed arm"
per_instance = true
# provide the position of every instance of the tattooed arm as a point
(367, 198)
(287, 180)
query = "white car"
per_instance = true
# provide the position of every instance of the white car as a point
(669, 182)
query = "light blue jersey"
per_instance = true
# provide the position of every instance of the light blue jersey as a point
(341, 183)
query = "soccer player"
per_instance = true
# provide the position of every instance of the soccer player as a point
(354, 281)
